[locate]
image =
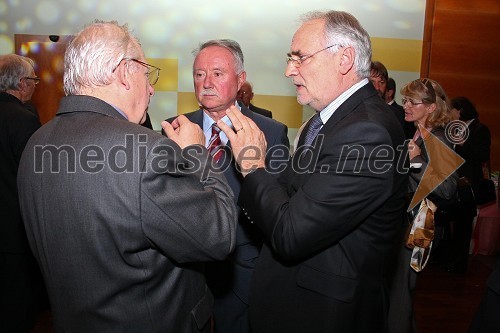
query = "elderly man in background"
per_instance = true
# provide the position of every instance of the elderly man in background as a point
(20, 278)
(245, 95)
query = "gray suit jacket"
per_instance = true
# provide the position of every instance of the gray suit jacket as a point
(119, 218)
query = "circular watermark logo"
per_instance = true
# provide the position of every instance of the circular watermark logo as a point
(456, 131)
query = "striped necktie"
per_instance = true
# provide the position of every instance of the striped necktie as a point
(313, 129)
(215, 144)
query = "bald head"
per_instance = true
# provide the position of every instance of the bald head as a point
(245, 94)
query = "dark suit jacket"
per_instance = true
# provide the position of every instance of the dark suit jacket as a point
(408, 127)
(147, 122)
(261, 111)
(330, 222)
(119, 226)
(17, 124)
(475, 151)
(234, 275)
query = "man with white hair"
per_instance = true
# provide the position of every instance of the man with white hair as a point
(19, 272)
(332, 218)
(121, 218)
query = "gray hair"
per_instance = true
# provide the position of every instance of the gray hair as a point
(94, 54)
(13, 68)
(345, 30)
(230, 45)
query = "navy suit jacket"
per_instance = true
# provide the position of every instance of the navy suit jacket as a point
(261, 111)
(248, 238)
(330, 222)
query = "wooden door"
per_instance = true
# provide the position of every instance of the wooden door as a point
(462, 51)
(48, 54)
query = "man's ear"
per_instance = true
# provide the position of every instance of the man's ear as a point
(23, 85)
(123, 75)
(347, 56)
(242, 77)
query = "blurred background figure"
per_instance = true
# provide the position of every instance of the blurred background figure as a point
(475, 150)
(20, 281)
(390, 93)
(379, 77)
(426, 106)
(386, 89)
(245, 94)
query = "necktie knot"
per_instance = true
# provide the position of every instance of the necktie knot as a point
(313, 129)
(215, 129)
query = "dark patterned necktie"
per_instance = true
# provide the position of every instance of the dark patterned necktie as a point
(313, 129)
(215, 144)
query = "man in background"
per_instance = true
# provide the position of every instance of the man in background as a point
(379, 78)
(20, 279)
(390, 93)
(120, 218)
(386, 87)
(218, 74)
(245, 94)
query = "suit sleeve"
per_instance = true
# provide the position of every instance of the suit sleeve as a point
(187, 208)
(278, 149)
(341, 192)
(30, 124)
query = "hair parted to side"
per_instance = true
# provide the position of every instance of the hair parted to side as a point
(230, 45)
(378, 69)
(95, 52)
(430, 91)
(13, 68)
(344, 29)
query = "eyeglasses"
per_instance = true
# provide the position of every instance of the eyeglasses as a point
(153, 72)
(297, 62)
(405, 100)
(35, 79)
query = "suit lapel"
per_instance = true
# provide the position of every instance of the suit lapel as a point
(348, 106)
(196, 117)
(342, 111)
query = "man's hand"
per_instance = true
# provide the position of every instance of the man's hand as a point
(184, 132)
(248, 143)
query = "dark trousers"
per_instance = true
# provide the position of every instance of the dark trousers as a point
(21, 292)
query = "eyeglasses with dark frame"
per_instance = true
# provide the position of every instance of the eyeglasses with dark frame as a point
(297, 62)
(36, 79)
(405, 100)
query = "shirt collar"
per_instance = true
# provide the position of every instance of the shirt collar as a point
(327, 112)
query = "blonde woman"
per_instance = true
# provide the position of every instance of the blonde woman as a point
(426, 105)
